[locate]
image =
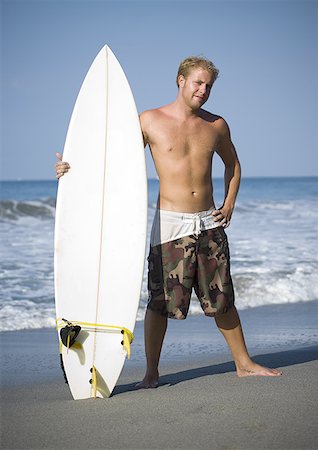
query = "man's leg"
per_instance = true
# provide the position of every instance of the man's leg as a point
(230, 326)
(155, 329)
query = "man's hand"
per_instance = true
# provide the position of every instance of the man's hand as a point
(61, 167)
(223, 216)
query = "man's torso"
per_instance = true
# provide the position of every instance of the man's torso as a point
(182, 152)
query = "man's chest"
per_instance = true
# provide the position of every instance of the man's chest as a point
(183, 139)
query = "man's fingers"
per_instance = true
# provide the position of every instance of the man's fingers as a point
(60, 173)
(62, 166)
(226, 224)
(218, 215)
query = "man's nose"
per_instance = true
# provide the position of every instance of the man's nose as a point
(203, 88)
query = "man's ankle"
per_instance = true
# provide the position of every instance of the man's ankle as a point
(152, 374)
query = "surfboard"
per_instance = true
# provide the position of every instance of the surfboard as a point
(100, 230)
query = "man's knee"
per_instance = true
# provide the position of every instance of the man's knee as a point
(229, 319)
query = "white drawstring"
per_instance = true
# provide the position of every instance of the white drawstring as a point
(197, 225)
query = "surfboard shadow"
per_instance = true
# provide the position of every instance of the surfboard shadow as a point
(79, 348)
(279, 359)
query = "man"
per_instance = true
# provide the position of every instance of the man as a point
(189, 246)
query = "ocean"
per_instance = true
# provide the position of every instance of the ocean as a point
(273, 243)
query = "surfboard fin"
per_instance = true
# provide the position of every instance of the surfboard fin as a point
(69, 334)
(127, 340)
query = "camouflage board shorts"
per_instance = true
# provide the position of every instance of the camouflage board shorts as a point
(201, 261)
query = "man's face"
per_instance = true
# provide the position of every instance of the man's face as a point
(196, 87)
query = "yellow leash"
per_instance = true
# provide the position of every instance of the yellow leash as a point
(128, 336)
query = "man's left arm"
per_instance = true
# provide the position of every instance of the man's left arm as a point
(232, 174)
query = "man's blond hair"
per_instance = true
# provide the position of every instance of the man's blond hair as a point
(195, 62)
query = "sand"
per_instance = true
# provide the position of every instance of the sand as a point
(199, 404)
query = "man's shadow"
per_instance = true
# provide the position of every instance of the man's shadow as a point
(279, 359)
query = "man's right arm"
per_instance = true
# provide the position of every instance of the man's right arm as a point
(145, 122)
(62, 167)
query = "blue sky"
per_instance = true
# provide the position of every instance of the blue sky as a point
(266, 52)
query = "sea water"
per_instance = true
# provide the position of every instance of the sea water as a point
(273, 243)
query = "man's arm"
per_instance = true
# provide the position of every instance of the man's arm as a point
(62, 167)
(144, 123)
(232, 173)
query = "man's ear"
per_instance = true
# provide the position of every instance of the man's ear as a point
(181, 80)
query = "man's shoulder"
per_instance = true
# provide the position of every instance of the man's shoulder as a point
(151, 113)
(212, 117)
(218, 122)
(150, 116)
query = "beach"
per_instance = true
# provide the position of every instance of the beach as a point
(200, 402)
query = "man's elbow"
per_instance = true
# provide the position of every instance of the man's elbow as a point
(237, 165)
(234, 168)
(233, 164)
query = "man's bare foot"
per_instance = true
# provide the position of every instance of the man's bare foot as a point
(149, 382)
(253, 369)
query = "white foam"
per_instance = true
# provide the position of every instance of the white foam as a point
(272, 245)
(25, 314)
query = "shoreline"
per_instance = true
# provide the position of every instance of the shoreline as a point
(200, 402)
(32, 355)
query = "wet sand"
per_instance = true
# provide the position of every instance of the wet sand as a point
(200, 402)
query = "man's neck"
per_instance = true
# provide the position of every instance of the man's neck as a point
(183, 111)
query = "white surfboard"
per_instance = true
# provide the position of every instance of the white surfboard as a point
(100, 229)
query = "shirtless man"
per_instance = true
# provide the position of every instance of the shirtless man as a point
(189, 246)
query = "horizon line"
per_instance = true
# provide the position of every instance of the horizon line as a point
(157, 179)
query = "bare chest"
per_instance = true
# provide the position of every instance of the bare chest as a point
(181, 140)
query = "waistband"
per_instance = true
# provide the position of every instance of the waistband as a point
(186, 217)
(170, 225)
